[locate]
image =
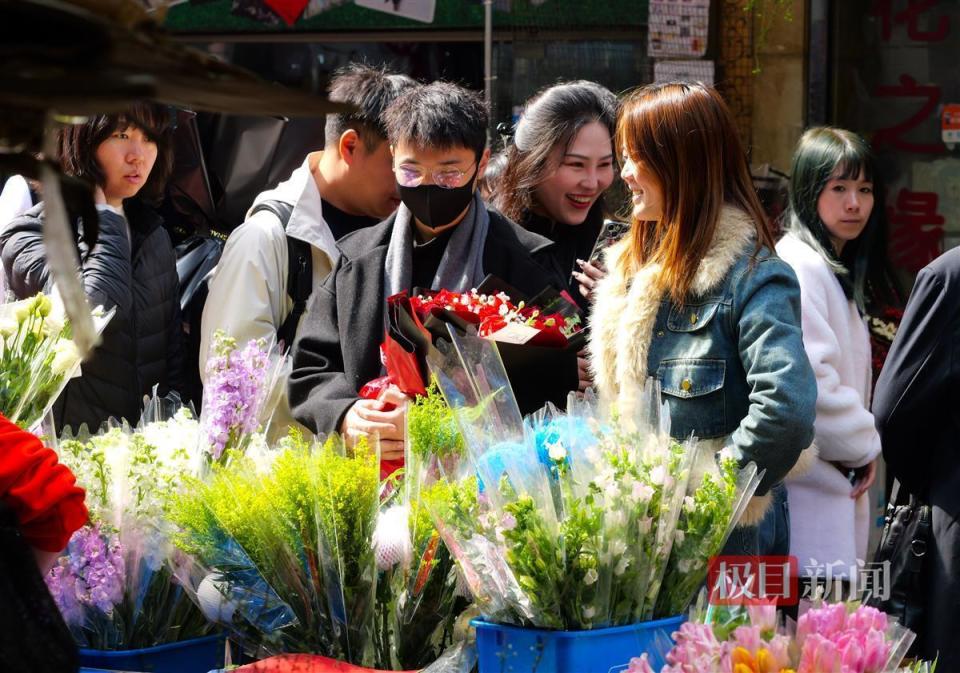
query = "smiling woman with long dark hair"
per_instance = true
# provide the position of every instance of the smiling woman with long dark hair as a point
(131, 266)
(559, 166)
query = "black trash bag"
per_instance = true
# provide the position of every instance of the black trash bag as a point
(197, 257)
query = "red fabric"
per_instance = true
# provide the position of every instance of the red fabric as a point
(42, 492)
(304, 663)
(288, 10)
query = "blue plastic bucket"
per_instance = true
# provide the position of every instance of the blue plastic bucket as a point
(199, 655)
(511, 649)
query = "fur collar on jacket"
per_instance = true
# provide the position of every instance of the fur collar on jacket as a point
(625, 310)
(626, 306)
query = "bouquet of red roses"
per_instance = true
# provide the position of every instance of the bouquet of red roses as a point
(497, 317)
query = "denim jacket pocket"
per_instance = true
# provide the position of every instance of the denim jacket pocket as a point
(691, 317)
(693, 389)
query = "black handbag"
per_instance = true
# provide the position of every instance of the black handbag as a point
(907, 537)
(33, 636)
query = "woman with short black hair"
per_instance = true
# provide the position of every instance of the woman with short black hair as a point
(131, 266)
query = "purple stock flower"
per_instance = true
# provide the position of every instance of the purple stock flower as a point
(233, 393)
(91, 574)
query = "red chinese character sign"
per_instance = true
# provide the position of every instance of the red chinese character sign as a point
(911, 136)
(896, 135)
(917, 229)
(910, 17)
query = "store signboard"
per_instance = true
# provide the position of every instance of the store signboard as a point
(418, 10)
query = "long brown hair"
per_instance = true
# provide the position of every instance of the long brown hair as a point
(685, 136)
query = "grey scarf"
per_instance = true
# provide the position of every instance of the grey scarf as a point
(461, 267)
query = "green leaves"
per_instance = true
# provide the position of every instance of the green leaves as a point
(432, 428)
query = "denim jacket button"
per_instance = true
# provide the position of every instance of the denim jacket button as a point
(693, 318)
(660, 333)
(685, 385)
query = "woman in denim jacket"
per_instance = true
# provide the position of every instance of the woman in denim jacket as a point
(696, 297)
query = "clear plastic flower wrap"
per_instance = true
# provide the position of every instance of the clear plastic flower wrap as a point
(240, 393)
(577, 512)
(717, 496)
(116, 584)
(418, 593)
(830, 638)
(286, 549)
(37, 356)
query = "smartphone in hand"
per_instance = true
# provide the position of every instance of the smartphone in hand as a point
(611, 232)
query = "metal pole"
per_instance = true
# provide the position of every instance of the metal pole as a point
(488, 57)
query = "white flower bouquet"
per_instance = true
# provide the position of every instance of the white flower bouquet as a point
(576, 516)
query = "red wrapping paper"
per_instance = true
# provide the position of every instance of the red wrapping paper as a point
(304, 663)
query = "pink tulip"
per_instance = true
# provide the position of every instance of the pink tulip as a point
(747, 637)
(825, 621)
(764, 616)
(779, 649)
(876, 652)
(865, 618)
(818, 655)
(640, 665)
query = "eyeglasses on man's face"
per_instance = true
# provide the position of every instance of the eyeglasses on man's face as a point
(411, 175)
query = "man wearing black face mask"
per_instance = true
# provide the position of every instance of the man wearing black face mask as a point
(442, 236)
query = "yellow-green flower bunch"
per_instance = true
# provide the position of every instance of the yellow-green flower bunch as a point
(417, 593)
(287, 549)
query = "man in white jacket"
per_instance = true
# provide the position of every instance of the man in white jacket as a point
(348, 185)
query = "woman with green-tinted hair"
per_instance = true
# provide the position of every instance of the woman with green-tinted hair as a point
(836, 243)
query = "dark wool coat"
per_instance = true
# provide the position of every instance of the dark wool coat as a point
(141, 345)
(338, 348)
(917, 411)
(570, 243)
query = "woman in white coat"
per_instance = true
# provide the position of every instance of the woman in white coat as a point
(836, 243)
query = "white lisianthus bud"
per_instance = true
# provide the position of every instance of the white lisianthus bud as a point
(590, 577)
(618, 547)
(642, 492)
(658, 475)
(8, 327)
(588, 613)
(391, 538)
(23, 310)
(621, 566)
(65, 356)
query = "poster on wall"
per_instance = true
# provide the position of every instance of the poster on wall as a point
(678, 28)
(684, 71)
(418, 10)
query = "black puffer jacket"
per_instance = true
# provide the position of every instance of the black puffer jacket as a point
(141, 345)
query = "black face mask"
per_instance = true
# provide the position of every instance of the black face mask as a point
(435, 206)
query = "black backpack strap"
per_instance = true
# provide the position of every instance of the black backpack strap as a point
(299, 271)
